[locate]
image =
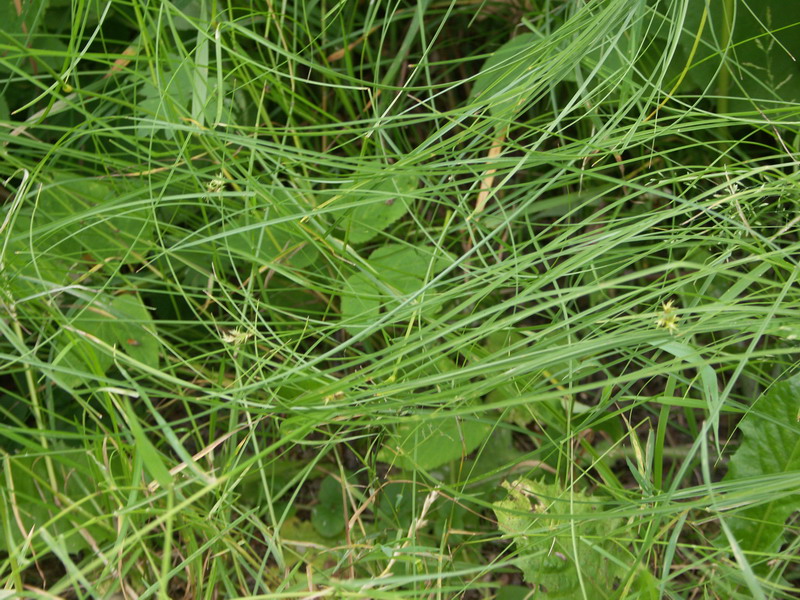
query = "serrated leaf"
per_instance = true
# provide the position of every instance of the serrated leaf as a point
(381, 201)
(770, 446)
(547, 524)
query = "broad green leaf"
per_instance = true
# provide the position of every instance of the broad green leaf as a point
(28, 272)
(132, 329)
(557, 533)
(152, 110)
(85, 215)
(23, 29)
(273, 243)
(400, 271)
(313, 552)
(381, 201)
(47, 52)
(437, 438)
(296, 530)
(26, 487)
(200, 82)
(500, 342)
(505, 76)
(168, 100)
(189, 13)
(327, 516)
(616, 54)
(13, 23)
(551, 411)
(429, 362)
(122, 321)
(496, 454)
(361, 303)
(396, 502)
(404, 267)
(647, 584)
(164, 100)
(405, 270)
(151, 457)
(433, 440)
(76, 352)
(513, 592)
(90, 12)
(765, 44)
(40, 254)
(285, 242)
(770, 446)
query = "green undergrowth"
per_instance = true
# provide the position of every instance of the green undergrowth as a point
(426, 299)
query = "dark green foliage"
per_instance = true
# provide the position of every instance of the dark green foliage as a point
(770, 448)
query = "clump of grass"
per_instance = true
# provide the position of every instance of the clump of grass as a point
(293, 295)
